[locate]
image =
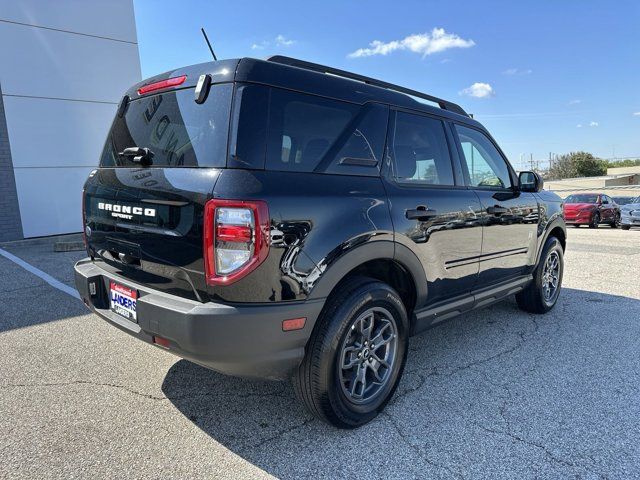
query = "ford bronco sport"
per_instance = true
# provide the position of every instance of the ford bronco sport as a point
(283, 219)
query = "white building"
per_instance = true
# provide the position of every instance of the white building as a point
(64, 66)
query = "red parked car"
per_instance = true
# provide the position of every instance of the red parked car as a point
(591, 209)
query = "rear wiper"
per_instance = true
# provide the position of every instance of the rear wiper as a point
(143, 156)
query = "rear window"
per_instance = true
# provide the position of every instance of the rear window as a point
(179, 132)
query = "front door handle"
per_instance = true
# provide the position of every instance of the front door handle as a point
(421, 213)
(497, 210)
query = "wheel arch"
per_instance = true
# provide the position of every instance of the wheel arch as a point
(386, 261)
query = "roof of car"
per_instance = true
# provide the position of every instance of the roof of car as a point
(300, 76)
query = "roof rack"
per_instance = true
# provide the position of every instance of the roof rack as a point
(294, 62)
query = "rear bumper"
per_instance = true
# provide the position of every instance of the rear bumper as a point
(244, 340)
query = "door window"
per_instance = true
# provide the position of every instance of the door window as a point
(420, 151)
(486, 167)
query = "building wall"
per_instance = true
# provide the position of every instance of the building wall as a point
(623, 170)
(622, 186)
(61, 84)
(10, 224)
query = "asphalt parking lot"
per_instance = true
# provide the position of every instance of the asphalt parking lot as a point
(496, 394)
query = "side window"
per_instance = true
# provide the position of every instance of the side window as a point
(605, 200)
(303, 128)
(485, 165)
(420, 151)
(359, 148)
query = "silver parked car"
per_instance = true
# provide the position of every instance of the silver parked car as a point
(630, 214)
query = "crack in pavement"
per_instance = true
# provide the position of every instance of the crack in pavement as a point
(284, 432)
(144, 395)
(541, 447)
(434, 372)
(416, 449)
(502, 411)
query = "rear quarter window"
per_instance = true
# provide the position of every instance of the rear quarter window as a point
(307, 133)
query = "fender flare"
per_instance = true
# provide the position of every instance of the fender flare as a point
(558, 221)
(379, 250)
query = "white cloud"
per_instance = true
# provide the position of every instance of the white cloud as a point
(478, 90)
(593, 124)
(423, 43)
(575, 102)
(579, 125)
(279, 41)
(445, 60)
(636, 114)
(517, 71)
(284, 42)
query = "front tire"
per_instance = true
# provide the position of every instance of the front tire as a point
(356, 354)
(541, 295)
(595, 220)
(625, 227)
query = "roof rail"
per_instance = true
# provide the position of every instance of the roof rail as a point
(294, 62)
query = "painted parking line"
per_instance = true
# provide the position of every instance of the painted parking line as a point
(39, 273)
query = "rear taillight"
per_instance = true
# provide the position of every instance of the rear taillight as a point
(236, 239)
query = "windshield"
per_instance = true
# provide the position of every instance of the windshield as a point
(179, 132)
(582, 198)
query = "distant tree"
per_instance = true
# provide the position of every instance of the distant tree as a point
(562, 167)
(629, 162)
(590, 166)
(576, 164)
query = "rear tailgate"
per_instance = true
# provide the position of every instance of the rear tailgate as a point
(145, 221)
(146, 224)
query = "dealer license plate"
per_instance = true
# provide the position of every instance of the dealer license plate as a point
(123, 301)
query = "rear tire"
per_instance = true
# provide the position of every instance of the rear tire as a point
(595, 220)
(625, 227)
(541, 295)
(346, 379)
(616, 221)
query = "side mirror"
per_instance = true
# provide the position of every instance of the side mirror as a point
(530, 182)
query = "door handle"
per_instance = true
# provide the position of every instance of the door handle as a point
(497, 210)
(420, 213)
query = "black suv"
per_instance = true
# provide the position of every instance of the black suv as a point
(283, 219)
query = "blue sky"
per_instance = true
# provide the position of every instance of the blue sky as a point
(545, 76)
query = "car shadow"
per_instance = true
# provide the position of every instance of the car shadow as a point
(458, 383)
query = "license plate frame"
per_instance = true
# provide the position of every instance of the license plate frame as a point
(123, 301)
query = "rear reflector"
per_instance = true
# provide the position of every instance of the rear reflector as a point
(168, 83)
(163, 342)
(293, 324)
(233, 233)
